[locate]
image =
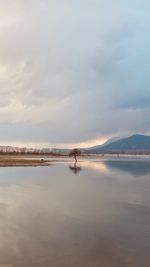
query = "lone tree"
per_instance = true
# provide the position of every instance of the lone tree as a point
(74, 153)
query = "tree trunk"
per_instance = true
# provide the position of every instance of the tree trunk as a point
(75, 157)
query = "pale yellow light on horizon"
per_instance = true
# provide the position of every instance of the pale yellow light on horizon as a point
(84, 144)
(89, 143)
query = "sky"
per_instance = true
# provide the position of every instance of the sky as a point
(73, 72)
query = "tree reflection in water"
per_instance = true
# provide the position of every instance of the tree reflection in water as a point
(75, 169)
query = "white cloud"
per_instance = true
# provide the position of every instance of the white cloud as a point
(79, 69)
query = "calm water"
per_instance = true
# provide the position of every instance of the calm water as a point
(97, 215)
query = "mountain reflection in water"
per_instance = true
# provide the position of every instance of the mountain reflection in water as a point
(135, 168)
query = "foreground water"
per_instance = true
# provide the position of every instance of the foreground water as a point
(96, 215)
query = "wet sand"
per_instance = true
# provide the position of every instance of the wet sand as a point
(13, 161)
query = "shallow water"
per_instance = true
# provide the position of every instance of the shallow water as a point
(59, 216)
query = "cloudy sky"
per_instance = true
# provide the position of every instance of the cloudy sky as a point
(73, 71)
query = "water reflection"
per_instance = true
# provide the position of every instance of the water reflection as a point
(48, 218)
(75, 169)
(96, 165)
(135, 168)
(132, 167)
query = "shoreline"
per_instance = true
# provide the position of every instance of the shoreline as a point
(22, 162)
(44, 160)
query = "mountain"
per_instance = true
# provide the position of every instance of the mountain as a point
(137, 143)
(113, 139)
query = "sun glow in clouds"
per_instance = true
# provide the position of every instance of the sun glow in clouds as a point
(90, 143)
(98, 141)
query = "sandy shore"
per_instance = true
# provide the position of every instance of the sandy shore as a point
(10, 161)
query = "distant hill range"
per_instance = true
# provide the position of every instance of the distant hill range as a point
(134, 144)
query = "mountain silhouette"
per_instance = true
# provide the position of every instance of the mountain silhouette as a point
(134, 143)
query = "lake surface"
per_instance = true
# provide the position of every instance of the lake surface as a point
(95, 215)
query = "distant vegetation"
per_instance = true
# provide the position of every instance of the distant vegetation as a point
(9, 150)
